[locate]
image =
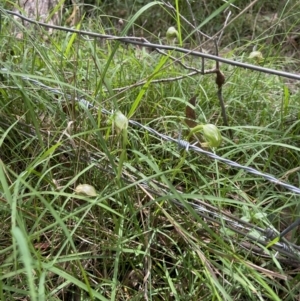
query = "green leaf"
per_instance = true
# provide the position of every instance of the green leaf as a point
(273, 242)
(27, 260)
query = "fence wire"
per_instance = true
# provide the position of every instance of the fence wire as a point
(145, 43)
(181, 143)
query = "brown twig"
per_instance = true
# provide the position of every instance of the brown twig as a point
(236, 17)
(157, 81)
(198, 38)
(222, 30)
(220, 80)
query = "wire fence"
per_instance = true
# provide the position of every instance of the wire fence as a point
(202, 209)
(145, 43)
(181, 143)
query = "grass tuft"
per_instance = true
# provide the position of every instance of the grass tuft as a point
(130, 241)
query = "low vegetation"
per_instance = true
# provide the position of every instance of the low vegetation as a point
(87, 204)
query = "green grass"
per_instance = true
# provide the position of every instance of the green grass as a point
(130, 242)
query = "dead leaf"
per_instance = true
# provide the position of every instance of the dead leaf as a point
(190, 115)
(220, 79)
